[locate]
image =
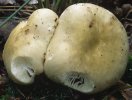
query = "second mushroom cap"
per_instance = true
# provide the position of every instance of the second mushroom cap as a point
(89, 49)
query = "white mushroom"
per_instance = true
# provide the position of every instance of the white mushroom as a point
(25, 49)
(89, 50)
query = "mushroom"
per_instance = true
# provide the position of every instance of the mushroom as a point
(25, 49)
(89, 50)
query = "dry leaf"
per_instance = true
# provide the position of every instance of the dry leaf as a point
(4, 2)
(2, 80)
(33, 2)
(127, 93)
(125, 89)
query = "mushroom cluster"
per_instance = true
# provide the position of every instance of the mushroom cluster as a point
(86, 48)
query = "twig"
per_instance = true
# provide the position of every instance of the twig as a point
(47, 3)
(17, 18)
(27, 13)
(29, 7)
(40, 3)
(21, 93)
(6, 20)
(57, 5)
(1, 10)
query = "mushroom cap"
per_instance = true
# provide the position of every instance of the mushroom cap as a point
(24, 51)
(89, 51)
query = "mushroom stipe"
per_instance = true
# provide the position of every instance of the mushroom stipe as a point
(86, 48)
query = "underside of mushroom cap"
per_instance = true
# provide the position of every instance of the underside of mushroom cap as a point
(78, 81)
(22, 69)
